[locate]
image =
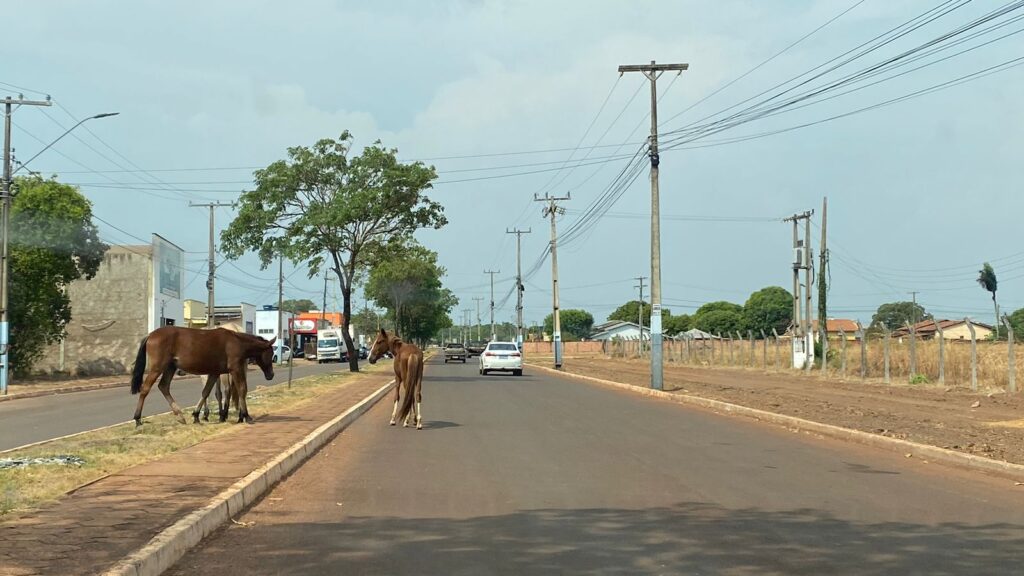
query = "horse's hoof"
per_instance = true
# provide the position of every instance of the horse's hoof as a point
(182, 420)
(195, 418)
(392, 423)
(138, 422)
(419, 426)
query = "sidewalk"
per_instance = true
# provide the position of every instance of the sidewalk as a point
(91, 529)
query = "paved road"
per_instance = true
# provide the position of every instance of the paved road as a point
(537, 475)
(33, 419)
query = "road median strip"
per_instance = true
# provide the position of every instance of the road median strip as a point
(932, 453)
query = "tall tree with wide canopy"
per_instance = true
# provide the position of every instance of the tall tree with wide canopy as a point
(987, 280)
(897, 314)
(575, 324)
(53, 243)
(768, 308)
(408, 285)
(323, 207)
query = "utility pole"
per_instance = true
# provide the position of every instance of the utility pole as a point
(5, 221)
(640, 315)
(823, 287)
(211, 317)
(652, 71)
(323, 309)
(802, 261)
(553, 209)
(492, 273)
(465, 325)
(913, 298)
(280, 309)
(519, 283)
(478, 299)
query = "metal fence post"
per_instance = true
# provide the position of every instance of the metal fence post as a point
(974, 354)
(888, 335)
(1011, 360)
(863, 351)
(912, 331)
(842, 343)
(942, 352)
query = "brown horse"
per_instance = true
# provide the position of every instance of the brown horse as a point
(408, 374)
(210, 352)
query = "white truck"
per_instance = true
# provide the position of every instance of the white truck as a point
(330, 346)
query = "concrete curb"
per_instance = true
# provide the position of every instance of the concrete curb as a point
(932, 453)
(167, 547)
(68, 390)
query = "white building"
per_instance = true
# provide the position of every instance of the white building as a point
(266, 325)
(619, 330)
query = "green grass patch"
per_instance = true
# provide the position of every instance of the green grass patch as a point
(111, 450)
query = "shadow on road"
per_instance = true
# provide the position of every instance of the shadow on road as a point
(685, 539)
(438, 424)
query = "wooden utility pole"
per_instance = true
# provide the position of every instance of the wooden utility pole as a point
(652, 71)
(519, 283)
(492, 273)
(552, 210)
(211, 317)
(823, 288)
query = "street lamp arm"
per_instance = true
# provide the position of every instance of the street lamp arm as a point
(66, 132)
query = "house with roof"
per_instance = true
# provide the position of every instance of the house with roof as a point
(836, 326)
(951, 330)
(617, 329)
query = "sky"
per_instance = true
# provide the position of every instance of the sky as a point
(512, 99)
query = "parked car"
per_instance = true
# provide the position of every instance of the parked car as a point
(364, 352)
(286, 354)
(454, 351)
(501, 357)
(475, 348)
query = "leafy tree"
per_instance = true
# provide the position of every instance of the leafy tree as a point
(673, 325)
(1017, 322)
(719, 317)
(367, 320)
(409, 287)
(53, 243)
(987, 280)
(768, 308)
(298, 306)
(898, 314)
(322, 207)
(629, 312)
(576, 324)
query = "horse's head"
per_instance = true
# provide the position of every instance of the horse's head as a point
(265, 359)
(380, 347)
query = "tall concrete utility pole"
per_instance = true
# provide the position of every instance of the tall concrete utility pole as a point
(5, 220)
(519, 282)
(553, 209)
(478, 299)
(652, 71)
(492, 273)
(211, 317)
(803, 353)
(465, 325)
(640, 314)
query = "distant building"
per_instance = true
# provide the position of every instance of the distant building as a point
(951, 330)
(833, 327)
(266, 324)
(618, 329)
(240, 318)
(136, 290)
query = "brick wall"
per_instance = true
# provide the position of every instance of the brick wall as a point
(109, 317)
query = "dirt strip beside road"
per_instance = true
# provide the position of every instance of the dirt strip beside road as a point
(985, 425)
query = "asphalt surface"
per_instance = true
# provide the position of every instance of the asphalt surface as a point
(29, 420)
(539, 475)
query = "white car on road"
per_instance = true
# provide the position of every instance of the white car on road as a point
(501, 357)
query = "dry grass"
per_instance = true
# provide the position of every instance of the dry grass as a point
(993, 360)
(111, 450)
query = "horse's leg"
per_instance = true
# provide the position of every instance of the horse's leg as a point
(203, 406)
(241, 388)
(147, 385)
(419, 397)
(398, 393)
(165, 388)
(229, 393)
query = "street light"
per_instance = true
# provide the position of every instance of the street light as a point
(5, 219)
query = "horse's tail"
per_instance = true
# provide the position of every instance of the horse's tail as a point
(140, 367)
(411, 381)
